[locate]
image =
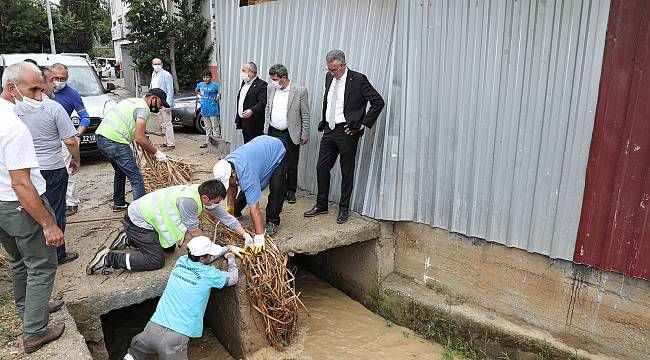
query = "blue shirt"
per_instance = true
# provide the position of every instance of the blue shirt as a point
(182, 305)
(209, 93)
(70, 99)
(254, 163)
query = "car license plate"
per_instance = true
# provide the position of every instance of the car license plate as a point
(88, 139)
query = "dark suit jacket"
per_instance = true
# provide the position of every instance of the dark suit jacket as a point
(358, 93)
(256, 101)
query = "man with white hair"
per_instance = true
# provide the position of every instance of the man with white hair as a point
(28, 230)
(179, 313)
(161, 78)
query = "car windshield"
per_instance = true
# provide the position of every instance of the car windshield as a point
(84, 80)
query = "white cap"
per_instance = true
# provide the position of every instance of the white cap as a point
(201, 245)
(222, 171)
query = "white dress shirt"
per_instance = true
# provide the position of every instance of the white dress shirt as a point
(242, 96)
(155, 79)
(340, 99)
(280, 108)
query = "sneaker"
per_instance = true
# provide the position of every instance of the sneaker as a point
(271, 229)
(203, 146)
(98, 263)
(71, 210)
(118, 208)
(291, 198)
(121, 242)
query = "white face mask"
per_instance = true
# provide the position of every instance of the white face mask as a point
(28, 105)
(244, 76)
(210, 207)
(157, 68)
(59, 84)
(275, 84)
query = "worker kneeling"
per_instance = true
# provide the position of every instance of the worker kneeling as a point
(180, 311)
(157, 221)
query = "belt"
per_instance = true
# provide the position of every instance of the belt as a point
(285, 130)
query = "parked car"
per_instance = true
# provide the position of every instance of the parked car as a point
(83, 55)
(187, 111)
(82, 77)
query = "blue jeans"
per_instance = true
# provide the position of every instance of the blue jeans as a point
(56, 185)
(123, 161)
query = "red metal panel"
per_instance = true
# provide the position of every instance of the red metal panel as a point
(614, 232)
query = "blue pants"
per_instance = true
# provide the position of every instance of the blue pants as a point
(56, 186)
(123, 161)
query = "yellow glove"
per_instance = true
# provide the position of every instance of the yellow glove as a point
(230, 210)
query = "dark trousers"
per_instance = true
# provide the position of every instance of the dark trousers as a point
(56, 186)
(277, 190)
(334, 143)
(292, 156)
(151, 256)
(124, 164)
(250, 133)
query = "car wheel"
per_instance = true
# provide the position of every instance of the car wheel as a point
(198, 123)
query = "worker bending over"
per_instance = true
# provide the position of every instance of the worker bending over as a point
(252, 167)
(157, 221)
(179, 314)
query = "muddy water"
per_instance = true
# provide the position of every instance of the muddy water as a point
(338, 328)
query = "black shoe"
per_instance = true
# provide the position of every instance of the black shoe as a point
(315, 211)
(71, 210)
(291, 198)
(343, 216)
(271, 229)
(118, 208)
(69, 256)
(238, 215)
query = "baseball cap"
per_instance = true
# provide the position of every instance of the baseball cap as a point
(201, 245)
(222, 170)
(160, 93)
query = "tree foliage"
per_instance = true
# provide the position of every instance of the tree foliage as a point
(78, 25)
(151, 32)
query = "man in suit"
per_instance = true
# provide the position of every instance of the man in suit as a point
(347, 94)
(161, 78)
(251, 102)
(287, 118)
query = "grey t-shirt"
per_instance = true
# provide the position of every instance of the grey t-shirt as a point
(48, 127)
(189, 215)
(141, 113)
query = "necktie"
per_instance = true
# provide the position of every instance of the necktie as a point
(332, 105)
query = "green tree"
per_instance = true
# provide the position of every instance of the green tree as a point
(79, 12)
(23, 26)
(151, 31)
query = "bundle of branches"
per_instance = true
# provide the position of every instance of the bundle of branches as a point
(4, 261)
(158, 174)
(270, 285)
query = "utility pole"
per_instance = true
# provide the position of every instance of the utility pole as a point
(49, 23)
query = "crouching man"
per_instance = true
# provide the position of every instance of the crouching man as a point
(157, 221)
(179, 314)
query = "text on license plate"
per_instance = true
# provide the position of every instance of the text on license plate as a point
(88, 138)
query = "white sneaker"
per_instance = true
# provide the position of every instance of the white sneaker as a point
(98, 263)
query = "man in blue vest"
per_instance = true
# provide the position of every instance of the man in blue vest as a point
(157, 221)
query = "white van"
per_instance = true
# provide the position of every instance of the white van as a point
(83, 78)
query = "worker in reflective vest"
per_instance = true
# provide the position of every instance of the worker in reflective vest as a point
(122, 125)
(157, 221)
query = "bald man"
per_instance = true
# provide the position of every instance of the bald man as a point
(161, 78)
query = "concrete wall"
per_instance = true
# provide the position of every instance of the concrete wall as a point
(599, 311)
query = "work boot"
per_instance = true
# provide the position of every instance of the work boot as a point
(121, 242)
(118, 208)
(54, 306)
(71, 210)
(53, 332)
(98, 263)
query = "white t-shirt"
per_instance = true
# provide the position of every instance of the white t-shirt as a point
(16, 152)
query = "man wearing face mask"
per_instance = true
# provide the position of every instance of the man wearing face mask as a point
(28, 230)
(162, 79)
(122, 125)
(251, 102)
(287, 118)
(49, 127)
(160, 219)
(71, 101)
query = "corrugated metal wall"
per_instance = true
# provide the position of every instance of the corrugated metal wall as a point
(490, 105)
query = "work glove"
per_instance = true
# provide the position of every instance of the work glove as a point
(231, 210)
(259, 244)
(248, 241)
(236, 250)
(160, 156)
